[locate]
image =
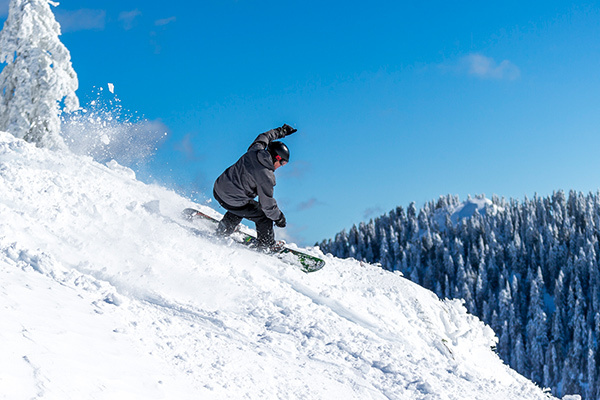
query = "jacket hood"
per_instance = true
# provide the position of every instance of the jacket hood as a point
(264, 158)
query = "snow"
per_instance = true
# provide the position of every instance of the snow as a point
(469, 206)
(105, 293)
(466, 209)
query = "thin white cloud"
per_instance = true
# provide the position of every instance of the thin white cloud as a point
(155, 35)
(187, 148)
(296, 169)
(164, 21)
(308, 204)
(81, 20)
(487, 68)
(372, 212)
(127, 18)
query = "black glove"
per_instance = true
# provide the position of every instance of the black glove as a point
(281, 221)
(288, 130)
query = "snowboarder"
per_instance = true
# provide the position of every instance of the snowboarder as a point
(250, 177)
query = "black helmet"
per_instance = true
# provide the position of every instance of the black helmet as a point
(279, 151)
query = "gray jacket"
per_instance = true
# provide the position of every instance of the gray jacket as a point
(251, 176)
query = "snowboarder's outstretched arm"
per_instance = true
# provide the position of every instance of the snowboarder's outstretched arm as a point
(263, 140)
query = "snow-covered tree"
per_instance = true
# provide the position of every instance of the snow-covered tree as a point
(38, 81)
(537, 339)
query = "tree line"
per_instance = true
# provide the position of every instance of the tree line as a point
(527, 268)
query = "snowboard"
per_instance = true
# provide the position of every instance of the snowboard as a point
(307, 263)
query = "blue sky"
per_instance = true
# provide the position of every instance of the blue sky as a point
(394, 101)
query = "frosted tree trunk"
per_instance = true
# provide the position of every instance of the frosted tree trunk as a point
(38, 82)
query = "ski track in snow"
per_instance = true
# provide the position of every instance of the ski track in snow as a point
(105, 293)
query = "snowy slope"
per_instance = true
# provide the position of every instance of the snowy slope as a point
(106, 294)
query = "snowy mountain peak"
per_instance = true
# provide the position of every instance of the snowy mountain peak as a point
(107, 294)
(466, 210)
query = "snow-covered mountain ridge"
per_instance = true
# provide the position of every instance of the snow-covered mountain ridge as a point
(465, 209)
(106, 294)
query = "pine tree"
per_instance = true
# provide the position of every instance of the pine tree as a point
(518, 357)
(537, 338)
(591, 373)
(578, 348)
(353, 241)
(385, 257)
(38, 81)
(552, 368)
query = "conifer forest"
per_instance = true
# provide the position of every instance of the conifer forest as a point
(527, 268)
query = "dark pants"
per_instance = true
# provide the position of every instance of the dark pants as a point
(252, 211)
